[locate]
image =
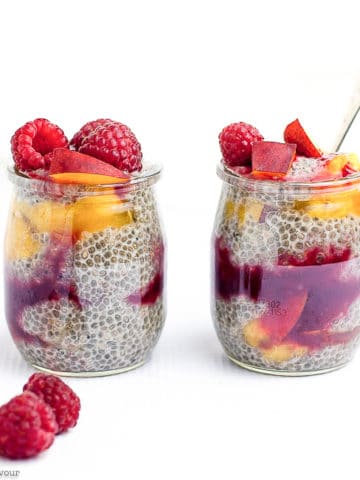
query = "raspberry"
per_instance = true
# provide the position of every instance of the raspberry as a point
(85, 130)
(31, 142)
(236, 141)
(59, 396)
(114, 143)
(27, 426)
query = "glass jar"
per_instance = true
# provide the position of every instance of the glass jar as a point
(84, 274)
(286, 273)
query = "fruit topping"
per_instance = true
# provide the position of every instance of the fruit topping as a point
(343, 164)
(85, 130)
(68, 166)
(31, 142)
(294, 133)
(110, 141)
(272, 159)
(27, 426)
(60, 397)
(236, 141)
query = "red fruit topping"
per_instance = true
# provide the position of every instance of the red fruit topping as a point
(59, 396)
(272, 159)
(64, 160)
(31, 143)
(294, 133)
(27, 426)
(114, 143)
(85, 130)
(236, 141)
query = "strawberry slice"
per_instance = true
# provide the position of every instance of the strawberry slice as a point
(294, 133)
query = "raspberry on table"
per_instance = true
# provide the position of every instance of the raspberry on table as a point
(85, 130)
(236, 141)
(31, 142)
(110, 141)
(27, 426)
(59, 396)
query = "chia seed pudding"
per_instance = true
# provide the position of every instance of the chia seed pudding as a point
(84, 272)
(286, 265)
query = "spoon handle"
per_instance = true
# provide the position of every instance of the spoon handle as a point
(351, 114)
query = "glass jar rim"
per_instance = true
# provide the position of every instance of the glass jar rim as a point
(293, 188)
(145, 178)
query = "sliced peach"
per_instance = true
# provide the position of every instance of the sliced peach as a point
(337, 205)
(86, 178)
(20, 243)
(95, 213)
(337, 164)
(47, 216)
(254, 209)
(64, 160)
(277, 321)
(272, 159)
(283, 352)
(294, 133)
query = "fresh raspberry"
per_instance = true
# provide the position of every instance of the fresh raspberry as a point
(85, 130)
(114, 143)
(27, 426)
(31, 142)
(236, 141)
(59, 396)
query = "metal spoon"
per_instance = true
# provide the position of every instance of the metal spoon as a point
(351, 114)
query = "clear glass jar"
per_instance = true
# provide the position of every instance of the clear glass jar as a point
(84, 274)
(286, 273)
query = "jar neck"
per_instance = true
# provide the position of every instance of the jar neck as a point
(291, 189)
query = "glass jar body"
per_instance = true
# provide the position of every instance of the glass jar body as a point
(286, 275)
(84, 275)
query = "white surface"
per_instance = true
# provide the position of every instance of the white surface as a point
(177, 72)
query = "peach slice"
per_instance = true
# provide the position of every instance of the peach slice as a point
(95, 213)
(274, 325)
(47, 216)
(326, 206)
(272, 159)
(294, 133)
(20, 243)
(283, 352)
(86, 178)
(337, 164)
(67, 161)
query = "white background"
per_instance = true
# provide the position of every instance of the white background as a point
(176, 73)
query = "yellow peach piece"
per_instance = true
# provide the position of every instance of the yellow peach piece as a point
(229, 209)
(253, 333)
(254, 209)
(86, 178)
(337, 205)
(284, 352)
(95, 213)
(20, 243)
(338, 162)
(48, 216)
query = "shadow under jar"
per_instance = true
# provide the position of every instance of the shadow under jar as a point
(84, 274)
(286, 273)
